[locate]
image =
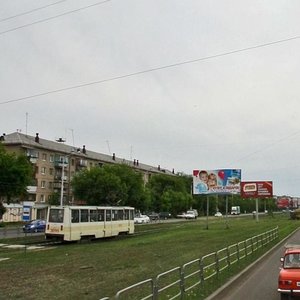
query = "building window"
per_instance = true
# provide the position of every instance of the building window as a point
(32, 153)
(51, 158)
(43, 170)
(42, 198)
(43, 184)
(44, 156)
(50, 184)
(51, 171)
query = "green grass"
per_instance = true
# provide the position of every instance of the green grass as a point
(98, 269)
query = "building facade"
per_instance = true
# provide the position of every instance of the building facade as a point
(56, 163)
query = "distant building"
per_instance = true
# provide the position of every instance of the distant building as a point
(50, 157)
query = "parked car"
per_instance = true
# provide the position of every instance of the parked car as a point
(141, 219)
(35, 226)
(193, 211)
(218, 214)
(187, 215)
(190, 214)
(153, 216)
(164, 215)
(289, 275)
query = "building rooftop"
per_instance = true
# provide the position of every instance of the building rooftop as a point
(35, 142)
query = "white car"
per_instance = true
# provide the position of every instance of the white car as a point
(187, 215)
(141, 219)
(190, 215)
(218, 214)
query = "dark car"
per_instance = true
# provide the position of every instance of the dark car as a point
(153, 216)
(165, 215)
(35, 226)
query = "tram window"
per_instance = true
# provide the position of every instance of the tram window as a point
(108, 215)
(84, 216)
(120, 214)
(56, 215)
(131, 215)
(127, 214)
(101, 215)
(114, 215)
(75, 215)
(93, 215)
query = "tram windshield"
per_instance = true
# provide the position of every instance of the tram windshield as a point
(56, 215)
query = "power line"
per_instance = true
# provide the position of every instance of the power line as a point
(30, 11)
(267, 147)
(150, 70)
(54, 17)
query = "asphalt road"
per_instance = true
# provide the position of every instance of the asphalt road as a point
(13, 232)
(259, 282)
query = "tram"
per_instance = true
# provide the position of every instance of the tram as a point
(74, 223)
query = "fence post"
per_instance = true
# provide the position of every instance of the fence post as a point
(238, 252)
(182, 286)
(201, 271)
(217, 263)
(228, 257)
(155, 290)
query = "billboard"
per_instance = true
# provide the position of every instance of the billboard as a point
(223, 181)
(257, 189)
(284, 202)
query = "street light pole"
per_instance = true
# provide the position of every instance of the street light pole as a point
(62, 182)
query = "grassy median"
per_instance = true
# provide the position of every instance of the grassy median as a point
(98, 269)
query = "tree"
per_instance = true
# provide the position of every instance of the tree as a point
(54, 199)
(170, 193)
(109, 185)
(16, 174)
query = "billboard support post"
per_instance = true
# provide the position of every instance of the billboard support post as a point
(227, 212)
(207, 210)
(256, 207)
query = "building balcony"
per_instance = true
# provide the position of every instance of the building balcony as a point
(60, 164)
(31, 189)
(59, 178)
(81, 163)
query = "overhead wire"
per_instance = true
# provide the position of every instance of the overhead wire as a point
(53, 17)
(149, 70)
(266, 147)
(31, 11)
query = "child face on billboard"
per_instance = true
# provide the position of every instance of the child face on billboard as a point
(203, 176)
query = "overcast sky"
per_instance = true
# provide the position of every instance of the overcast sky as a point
(185, 84)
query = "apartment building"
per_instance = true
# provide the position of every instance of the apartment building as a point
(55, 164)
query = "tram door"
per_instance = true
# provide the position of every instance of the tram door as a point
(108, 222)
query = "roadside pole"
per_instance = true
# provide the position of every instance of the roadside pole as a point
(256, 207)
(207, 210)
(227, 226)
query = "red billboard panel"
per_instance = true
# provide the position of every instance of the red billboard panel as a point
(257, 189)
(284, 202)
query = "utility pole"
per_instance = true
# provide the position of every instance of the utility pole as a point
(62, 182)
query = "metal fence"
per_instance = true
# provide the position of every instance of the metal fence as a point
(177, 282)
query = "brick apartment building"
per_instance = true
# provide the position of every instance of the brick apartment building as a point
(55, 164)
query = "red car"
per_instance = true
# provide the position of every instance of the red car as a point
(289, 275)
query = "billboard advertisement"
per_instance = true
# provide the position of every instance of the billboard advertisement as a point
(222, 181)
(257, 189)
(284, 202)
